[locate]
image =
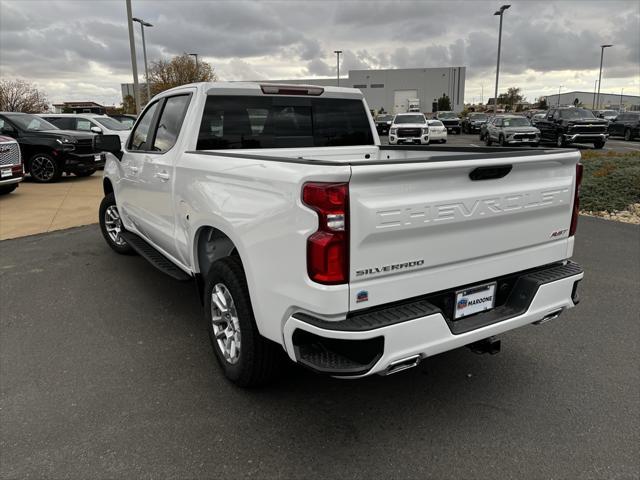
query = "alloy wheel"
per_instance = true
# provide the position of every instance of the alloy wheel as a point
(43, 168)
(113, 224)
(225, 323)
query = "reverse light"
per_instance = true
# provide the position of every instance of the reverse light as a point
(576, 201)
(328, 247)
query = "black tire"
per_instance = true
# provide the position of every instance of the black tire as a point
(481, 137)
(85, 173)
(7, 189)
(120, 246)
(627, 135)
(502, 141)
(598, 145)
(44, 168)
(487, 140)
(259, 359)
(560, 141)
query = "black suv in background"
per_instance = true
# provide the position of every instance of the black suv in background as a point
(626, 125)
(564, 126)
(473, 122)
(449, 120)
(47, 151)
(383, 123)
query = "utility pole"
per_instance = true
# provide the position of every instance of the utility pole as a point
(195, 55)
(620, 109)
(559, 94)
(144, 51)
(134, 65)
(595, 84)
(602, 47)
(495, 97)
(338, 52)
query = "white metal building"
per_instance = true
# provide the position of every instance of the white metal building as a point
(586, 99)
(390, 89)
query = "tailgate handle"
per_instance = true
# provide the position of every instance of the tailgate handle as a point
(490, 173)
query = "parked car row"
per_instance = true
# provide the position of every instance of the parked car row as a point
(48, 151)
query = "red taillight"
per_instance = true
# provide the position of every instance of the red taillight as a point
(576, 201)
(328, 247)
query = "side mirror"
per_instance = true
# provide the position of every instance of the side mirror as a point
(109, 143)
(96, 129)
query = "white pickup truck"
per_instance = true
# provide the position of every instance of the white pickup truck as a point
(307, 236)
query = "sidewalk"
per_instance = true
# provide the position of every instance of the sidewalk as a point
(38, 208)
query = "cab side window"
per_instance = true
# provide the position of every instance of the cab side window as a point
(140, 138)
(170, 122)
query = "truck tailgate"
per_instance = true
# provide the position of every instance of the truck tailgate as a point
(426, 226)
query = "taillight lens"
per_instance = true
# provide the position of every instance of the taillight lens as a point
(576, 201)
(328, 247)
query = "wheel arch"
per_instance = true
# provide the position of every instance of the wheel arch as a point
(107, 186)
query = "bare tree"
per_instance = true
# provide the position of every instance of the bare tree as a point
(180, 70)
(21, 96)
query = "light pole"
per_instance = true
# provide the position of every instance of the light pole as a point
(134, 65)
(602, 47)
(620, 109)
(338, 52)
(595, 85)
(195, 55)
(495, 97)
(558, 104)
(144, 51)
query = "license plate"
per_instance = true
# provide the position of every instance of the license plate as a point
(525, 139)
(475, 299)
(97, 158)
(6, 172)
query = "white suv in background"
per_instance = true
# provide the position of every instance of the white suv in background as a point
(409, 128)
(437, 131)
(89, 122)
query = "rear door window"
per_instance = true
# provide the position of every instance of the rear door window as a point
(282, 122)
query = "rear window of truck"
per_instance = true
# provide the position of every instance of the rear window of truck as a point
(282, 122)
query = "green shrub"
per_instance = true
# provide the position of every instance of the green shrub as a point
(610, 181)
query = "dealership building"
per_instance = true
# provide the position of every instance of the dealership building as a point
(390, 89)
(587, 100)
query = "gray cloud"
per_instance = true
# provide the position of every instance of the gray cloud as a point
(79, 49)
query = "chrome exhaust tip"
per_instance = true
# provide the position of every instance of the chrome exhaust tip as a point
(549, 317)
(403, 364)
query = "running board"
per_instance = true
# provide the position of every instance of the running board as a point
(154, 257)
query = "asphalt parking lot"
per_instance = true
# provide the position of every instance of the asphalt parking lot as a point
(106, 372)
(472, 140)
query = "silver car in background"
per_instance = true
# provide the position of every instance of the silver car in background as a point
(511, 130)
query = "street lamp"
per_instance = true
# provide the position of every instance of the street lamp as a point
(495, 97)
(144, 51)
(194, 55)
(338, 52)
(595, 85)
(602, 47)
(558, 104)
(134, 65)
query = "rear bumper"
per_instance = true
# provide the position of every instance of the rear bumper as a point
(14, 177)
(420, 329)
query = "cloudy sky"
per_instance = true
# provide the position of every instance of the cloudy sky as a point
(79, 50)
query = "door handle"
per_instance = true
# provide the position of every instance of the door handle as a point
(134, 169)
(163, 175)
